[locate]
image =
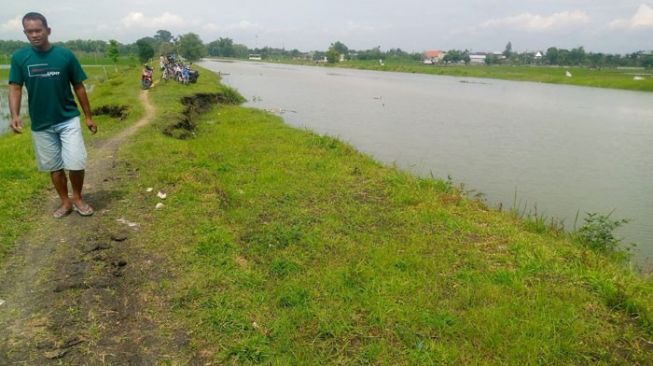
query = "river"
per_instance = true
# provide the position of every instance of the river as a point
(4, 108)
(562, 149)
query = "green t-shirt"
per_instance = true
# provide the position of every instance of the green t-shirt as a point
(48, 77)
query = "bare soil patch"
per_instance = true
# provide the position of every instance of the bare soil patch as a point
(82, 290)
(116, 111)
(195, 105)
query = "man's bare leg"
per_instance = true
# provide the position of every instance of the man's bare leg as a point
(61, 186)
(77, 182)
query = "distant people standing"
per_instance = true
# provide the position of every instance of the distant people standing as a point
(146, 77)
(48, 72)
(185, 75)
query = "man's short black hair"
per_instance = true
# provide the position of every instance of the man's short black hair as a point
(35, 16)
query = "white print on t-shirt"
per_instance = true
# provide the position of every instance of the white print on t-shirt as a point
(42, 70)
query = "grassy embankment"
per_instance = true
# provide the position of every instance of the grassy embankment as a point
(292, 248)
(21, 183)
(581, 76)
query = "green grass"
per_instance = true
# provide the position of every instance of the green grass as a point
(89, 58)
(289, 248)
(22, 185)
(293, 248)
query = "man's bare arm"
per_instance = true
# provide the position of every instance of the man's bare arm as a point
(15, 96)
(80, 91)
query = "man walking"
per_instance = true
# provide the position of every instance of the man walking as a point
(48, 72)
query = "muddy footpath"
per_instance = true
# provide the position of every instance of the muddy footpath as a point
(82, 290)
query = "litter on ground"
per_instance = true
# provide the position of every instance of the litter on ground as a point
(128, 223)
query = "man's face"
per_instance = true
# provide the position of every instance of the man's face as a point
(36, 32)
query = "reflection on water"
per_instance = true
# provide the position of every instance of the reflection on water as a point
(565, 148)
(4, 108)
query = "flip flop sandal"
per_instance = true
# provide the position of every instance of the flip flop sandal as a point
(61, 212)
(84, 211)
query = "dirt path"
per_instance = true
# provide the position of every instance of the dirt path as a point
(72, 293)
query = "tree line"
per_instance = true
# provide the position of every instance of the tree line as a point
(191, 47)
(188, 45)
(552, 56)
(578, 56)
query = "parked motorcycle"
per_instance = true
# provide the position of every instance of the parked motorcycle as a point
(146, 77)
(193, 76)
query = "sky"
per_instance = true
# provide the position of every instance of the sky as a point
(611, 26)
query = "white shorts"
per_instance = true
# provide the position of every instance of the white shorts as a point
(60, 147)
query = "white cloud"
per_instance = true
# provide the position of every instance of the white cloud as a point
(13, 25)
(103, 28)
(643, 18)
(534, 22)
(210, 27)
(245, 25)
(352, 29)
(139, 20)
(360, 27)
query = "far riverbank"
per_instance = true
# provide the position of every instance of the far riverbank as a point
(637, 79)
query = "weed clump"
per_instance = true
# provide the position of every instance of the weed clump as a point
(598, 232)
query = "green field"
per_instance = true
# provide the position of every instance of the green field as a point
(284, 247)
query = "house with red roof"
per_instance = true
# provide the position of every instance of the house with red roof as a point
(433, 56)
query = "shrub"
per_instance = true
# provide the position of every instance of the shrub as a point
(598, 232)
